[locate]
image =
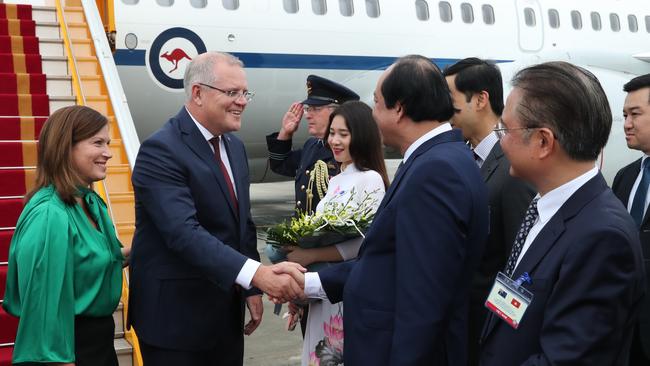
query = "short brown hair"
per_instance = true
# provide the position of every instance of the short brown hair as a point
(65, 127)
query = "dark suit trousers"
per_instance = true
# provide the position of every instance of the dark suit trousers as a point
(229, 353)
(637, 354)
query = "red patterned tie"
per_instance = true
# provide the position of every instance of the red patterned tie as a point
(217, 156)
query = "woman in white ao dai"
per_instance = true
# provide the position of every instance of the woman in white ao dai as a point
(355, 141)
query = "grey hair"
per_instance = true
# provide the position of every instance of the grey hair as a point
(201, 69)
(570, 101)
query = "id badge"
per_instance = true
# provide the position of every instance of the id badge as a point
(508, 299)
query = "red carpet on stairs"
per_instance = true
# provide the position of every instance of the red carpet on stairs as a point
(23, 96)
(16, 182)
(20, 128)
(19, 44)
(24, 105)
(20, 63)
(13, 11)
(5, 240)
(9, 327)
(12, 83)
(10, 209)
(17, 27)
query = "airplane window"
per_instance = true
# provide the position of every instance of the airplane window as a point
(576, 19)
(165, 2)
(488, 14)
(467, 12)
(319, 7)
(615, 21)
(422, 9)
(198, 3)
(529, 17)
(372, 8)
(130, 2)
(553, 18)
(632, 23)
(346, 7)
(647, 23)
(230, 4)
(290, 6)
(445, 11)
(595, 21)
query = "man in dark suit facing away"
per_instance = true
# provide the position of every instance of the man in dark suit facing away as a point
(195, 262)
(631, 187)
(578, 250)
(477, 93)
(405, 296)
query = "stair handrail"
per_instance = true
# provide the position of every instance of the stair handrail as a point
(76, 81)
(114, 87)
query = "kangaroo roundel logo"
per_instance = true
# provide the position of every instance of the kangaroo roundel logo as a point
(171, 52)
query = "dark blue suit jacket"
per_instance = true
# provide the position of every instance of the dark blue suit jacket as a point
(406, 295)
(622, 187)
(189, 243)
(587, 282)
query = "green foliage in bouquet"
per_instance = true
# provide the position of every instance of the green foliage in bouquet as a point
(338, 222)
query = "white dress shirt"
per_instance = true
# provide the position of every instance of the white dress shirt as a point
(549, 204)
(245, 276)
(483, 149)
(313, 286)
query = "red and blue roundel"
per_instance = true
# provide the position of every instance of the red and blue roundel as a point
(171, 52)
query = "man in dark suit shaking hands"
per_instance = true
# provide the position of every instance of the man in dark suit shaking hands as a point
(631, 187)
(405, 296)
(578, 250)
(195, 262)
(477, 92)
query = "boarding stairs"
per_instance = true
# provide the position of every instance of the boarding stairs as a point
(48, 60)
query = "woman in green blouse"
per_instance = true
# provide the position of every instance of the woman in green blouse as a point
(65, 262)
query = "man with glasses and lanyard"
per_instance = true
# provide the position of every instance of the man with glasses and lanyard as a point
(323, 96)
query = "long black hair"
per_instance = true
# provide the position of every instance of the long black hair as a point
(365, 139)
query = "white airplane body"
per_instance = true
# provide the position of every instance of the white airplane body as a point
(280, 48)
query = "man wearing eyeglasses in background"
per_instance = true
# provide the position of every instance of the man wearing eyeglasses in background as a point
(477, 93)
(194, 262)
(577, 252)
(323, 96)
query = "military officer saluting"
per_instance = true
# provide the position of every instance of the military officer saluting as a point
(313, 163)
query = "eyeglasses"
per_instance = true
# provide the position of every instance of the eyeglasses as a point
(501, 130)
(316, 109)
(234, 94)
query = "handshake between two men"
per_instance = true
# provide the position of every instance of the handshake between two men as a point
(282, 282)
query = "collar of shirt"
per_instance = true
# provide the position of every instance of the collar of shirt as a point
(351, 168)
(485, 146)
(642, 161)
(207, 135)
(426, 137)
(551, 202)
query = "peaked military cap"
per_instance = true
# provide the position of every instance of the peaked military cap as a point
(321, 91)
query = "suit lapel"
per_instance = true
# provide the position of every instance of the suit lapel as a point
(448, 136)
(549, 235)
(193, 138)
(627, 182)
(624, 190)
(492, 162)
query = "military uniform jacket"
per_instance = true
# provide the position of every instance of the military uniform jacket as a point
(299, 163)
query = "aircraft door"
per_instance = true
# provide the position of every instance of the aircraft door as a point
(530, 25)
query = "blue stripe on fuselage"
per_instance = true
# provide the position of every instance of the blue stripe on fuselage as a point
(293, 61)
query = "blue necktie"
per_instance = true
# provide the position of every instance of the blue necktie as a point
(638, 205)
(529, 220)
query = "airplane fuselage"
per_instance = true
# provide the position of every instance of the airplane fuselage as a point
(280, 48)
